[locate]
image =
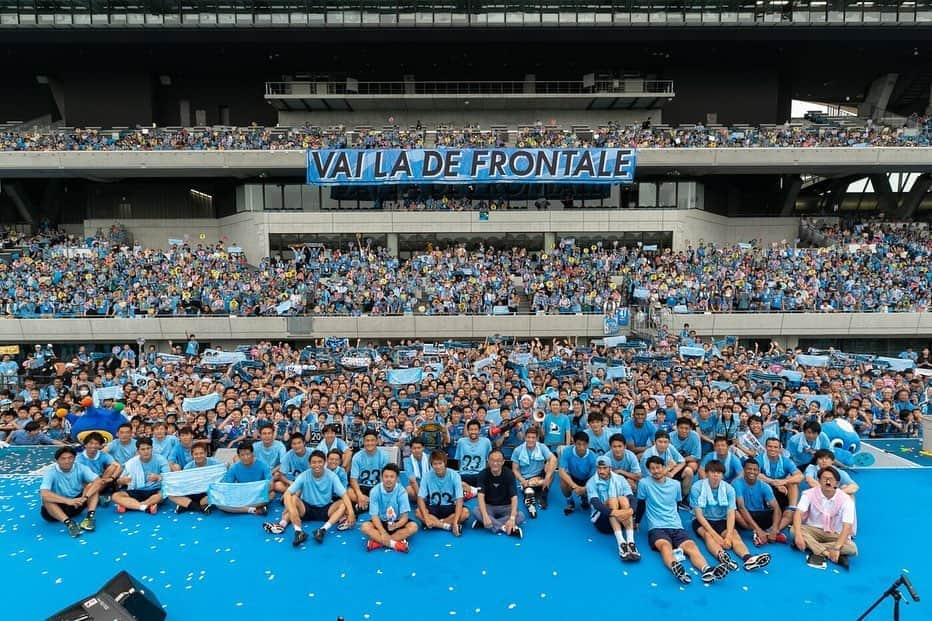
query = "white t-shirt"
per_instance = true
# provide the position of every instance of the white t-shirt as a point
(815, 504)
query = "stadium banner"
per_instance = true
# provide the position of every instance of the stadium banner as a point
(507, 165)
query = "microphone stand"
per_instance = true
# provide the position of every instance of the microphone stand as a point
(894, 592)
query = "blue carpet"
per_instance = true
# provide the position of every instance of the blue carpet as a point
(228, 566)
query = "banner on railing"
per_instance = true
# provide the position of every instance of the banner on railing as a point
(612, 324)
(393, 166)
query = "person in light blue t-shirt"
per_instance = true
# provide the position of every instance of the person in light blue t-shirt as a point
(533, 465)
(142, 478)
(123, 448)
(101, 464)
(471, 453)
(825, 458)
(610, 497)
(248, 469)
(782, 474)
(713, 500)
(440, 496)
(389, 524)
(577, 466)
(366, 469)
(311, 498)
(638, 431)
(198, 500)
(723, 455)
(665, 534)
(66, 489)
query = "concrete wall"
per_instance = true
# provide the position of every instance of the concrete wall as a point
(250, 329)
(688, 226)
(786, 327)
(251, 230)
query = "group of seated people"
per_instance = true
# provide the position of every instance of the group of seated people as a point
(871, 267)
(494, 429)
(917, 131)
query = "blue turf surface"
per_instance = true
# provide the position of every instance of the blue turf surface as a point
(227, 566)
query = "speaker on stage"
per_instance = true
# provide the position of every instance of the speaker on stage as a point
(123, 598)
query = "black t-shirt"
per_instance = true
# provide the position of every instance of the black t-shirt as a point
(498, 490)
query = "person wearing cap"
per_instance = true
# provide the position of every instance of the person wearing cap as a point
(610, 499)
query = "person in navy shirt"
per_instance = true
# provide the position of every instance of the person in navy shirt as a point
(758, 509)
(440, 496)
(66, 488)
(577, 466)
(713, 500)
(781, 473)
(311, 498)
(248, 470)
(665, 533)
(389, 524)
(638, 431)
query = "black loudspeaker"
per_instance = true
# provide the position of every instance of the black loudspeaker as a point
(123, 598)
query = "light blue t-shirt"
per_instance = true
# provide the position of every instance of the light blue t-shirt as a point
(531, 463)
(756, 497)
(779, 469)
(711, 507)
(598, 444)
(341, 474)
(733, 466)
(165, 447)
(389, 506)
(813, 472)
(628, 462)
(639, 436)
(271, 455)
(156, 465)
(580, 468)
(318, 492)
(68, 484)
(338, 444)
(96, 465)
(437, 491)
(660, 502)
(120, 452)
(367, 469)
(555, 429)
(293, 464)
(798, 445)
(472, 455)
(238, 473)
(615, 486)
(690, 447)
(668, 455)
(191, 465)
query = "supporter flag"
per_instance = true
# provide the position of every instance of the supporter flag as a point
(401, 377)
(107, 392)
(805, 360)
(238, 495)
(193, 481)
(215, 356)
(200, 404)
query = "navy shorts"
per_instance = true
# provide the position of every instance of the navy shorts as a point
(602, 524)
(441, 512)
(718, 526)
(315, 514)
(676, 536)
(140, 495)
(69, 511)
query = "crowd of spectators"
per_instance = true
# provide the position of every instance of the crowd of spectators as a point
(917, 131)
(871, 267)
